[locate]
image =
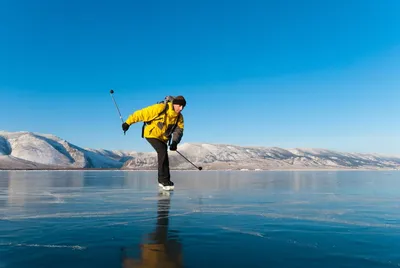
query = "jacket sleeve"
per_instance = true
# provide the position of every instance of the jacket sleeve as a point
(178, 132)
(145, 114)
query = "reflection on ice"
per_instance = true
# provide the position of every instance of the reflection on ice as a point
(162, 248)
(76, 247)
(243, 231)
(31, 186)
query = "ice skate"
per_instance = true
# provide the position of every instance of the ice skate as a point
(167, 186)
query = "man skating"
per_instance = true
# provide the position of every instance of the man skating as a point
(163, 123)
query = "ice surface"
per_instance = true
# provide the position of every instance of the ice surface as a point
(92, 217)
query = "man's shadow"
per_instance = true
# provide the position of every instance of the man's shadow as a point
(163, 248)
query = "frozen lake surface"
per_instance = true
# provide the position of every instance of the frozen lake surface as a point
(212, 219)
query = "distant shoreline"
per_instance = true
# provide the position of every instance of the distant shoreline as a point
(225, 170)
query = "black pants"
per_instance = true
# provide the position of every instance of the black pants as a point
(162, 158)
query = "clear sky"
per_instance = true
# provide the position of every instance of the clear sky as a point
(312, 73)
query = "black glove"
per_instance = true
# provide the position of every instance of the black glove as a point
(125, 127)
(173, 146)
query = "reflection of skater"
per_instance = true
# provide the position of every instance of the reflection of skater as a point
(162, 250)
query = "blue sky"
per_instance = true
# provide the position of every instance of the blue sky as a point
(322, 74)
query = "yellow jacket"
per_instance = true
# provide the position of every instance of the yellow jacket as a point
(161, 127)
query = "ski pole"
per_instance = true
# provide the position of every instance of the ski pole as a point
(199, 168)
(120, 116)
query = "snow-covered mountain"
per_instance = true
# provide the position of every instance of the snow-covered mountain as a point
(221, 156)
(27, 150)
